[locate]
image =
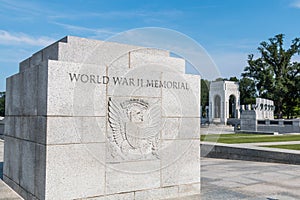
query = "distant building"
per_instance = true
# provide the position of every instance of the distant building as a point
(224, 101)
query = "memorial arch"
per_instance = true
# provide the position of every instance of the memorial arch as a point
(224, 101)
(217, 104)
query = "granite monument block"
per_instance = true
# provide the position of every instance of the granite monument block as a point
(94, 119)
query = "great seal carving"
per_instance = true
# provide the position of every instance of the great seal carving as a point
(135, 126)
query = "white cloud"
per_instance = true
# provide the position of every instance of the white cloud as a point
(118, 14)
(7, 38)
(81, 29)
(19, 7)
(295, 4)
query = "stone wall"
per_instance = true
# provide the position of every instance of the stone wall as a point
(279, 126)
(264, 108)
(250, 153)
(88, 118)
(248, 120)
(249, 123)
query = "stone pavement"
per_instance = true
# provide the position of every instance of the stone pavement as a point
(245, 180)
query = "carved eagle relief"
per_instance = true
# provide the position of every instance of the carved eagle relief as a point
(135, 127)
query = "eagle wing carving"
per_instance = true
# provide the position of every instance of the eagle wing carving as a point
(117, 118)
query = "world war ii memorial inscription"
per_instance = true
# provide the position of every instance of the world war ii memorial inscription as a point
(94, 119)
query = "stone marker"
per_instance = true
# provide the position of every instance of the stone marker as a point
(94, 119)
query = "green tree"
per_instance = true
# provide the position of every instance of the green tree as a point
(246, 88)
(247, 91)
(204, 95)
(235, 79)
(220, 79)
(292, 100)
(274, 74)
(2, 103)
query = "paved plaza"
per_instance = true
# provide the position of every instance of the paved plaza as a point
(245, 180)
(230, 179)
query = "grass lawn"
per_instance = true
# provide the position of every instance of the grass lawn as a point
(287, 146)
(248, 138)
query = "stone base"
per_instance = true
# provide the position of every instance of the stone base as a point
(169, 192)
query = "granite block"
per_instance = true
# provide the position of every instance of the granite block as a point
(181, 101)
(152, 51)
(40, 171)
(9, 126)
(25, 64)
(159, 193)
(42, 88)
(134, 82)
(51, 52)
(31, 128)
(40, 133)
(181, 128)
(36, 59)
(166, 63)
(81, 50)
(12, 158)
(180, 162)
(29, 93)
(75, 171)
(170, 128)
(189, 189)
(189, 128)
(132, 176)
(8, 97)
(27, 171)
(67, 130)
(72, 91)
(16, 91)
(125, 196)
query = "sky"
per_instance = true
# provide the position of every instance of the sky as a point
(229, 30)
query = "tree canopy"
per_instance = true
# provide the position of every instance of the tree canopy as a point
(204, 95)
(275, 75)
(247, 91)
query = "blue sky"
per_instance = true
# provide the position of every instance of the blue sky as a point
(228, 29)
